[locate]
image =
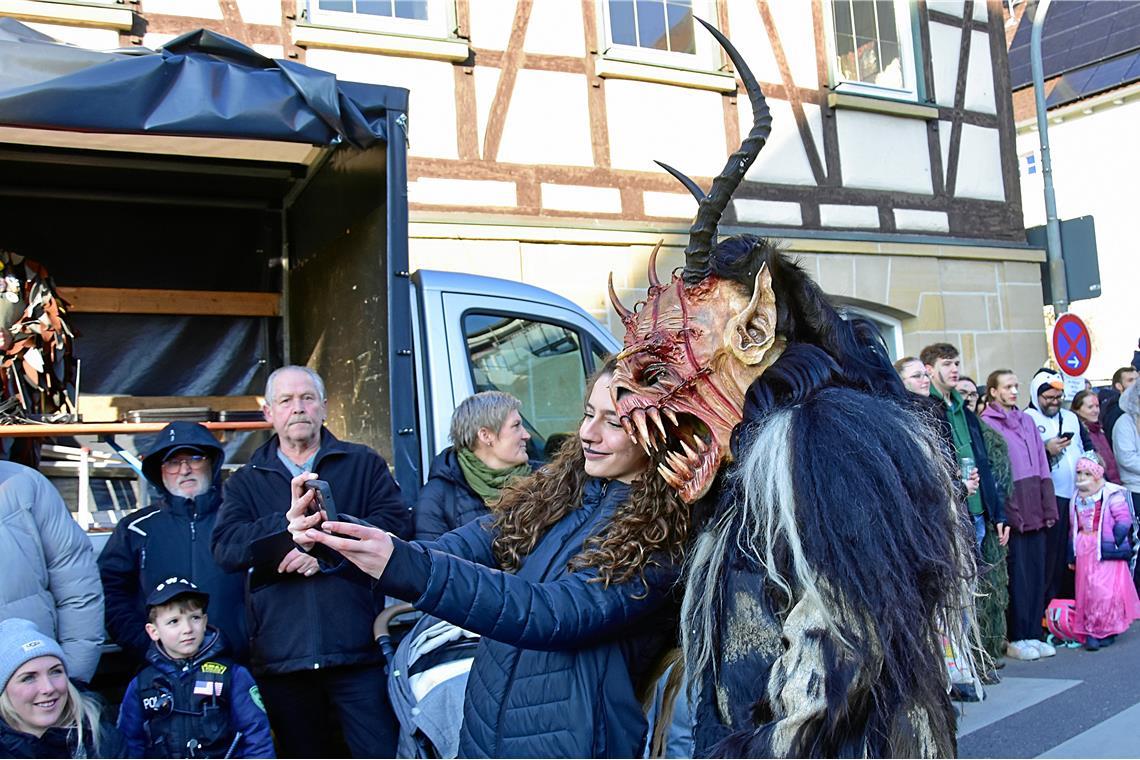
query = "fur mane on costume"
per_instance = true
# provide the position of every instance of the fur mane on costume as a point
(834, 560)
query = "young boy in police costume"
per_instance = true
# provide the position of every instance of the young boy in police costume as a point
(191, 700)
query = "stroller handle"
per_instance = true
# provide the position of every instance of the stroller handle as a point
(380, 625)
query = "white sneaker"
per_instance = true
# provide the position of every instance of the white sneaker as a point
(1043, 649)
(1022, 650)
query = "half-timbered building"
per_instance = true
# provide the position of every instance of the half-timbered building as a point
(891, 170)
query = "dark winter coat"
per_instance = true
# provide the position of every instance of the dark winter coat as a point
(171, 538)
(555, 672)
(301, 623)
(446, 502)
(212, 721)
(62, 742)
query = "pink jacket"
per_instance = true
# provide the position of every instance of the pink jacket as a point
(1115, 532)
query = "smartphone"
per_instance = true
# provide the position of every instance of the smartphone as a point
(1066, 436)
(323, 499)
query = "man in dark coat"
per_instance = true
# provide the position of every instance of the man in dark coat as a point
(311, 629)
(171, 538)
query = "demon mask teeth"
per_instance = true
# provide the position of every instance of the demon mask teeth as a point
(690, 354)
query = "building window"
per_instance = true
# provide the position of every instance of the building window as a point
(422, 18)
(659, 25)
(890, 329)
(660, 33)
(872, 50)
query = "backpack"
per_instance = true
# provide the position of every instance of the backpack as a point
(1060, 618)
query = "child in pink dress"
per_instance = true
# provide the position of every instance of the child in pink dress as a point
(1103, 549)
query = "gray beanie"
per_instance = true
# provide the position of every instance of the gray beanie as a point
(20, 641)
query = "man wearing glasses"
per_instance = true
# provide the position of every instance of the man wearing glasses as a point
(171, 538)
(1062, 435)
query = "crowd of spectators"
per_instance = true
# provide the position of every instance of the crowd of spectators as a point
(251, 629)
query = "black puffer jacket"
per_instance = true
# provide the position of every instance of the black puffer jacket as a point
(171, 538)
(446, 501)
(303, 623)
(561, 654)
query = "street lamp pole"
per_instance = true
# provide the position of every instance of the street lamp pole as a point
(1059, 286)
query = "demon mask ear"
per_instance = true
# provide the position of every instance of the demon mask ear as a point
(751, 333)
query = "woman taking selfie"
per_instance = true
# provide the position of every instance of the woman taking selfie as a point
(43, 714)
(569, 581)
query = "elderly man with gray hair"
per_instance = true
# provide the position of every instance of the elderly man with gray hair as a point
(488, 451)
(312, 650)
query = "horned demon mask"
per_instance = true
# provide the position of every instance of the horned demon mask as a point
(696, 343)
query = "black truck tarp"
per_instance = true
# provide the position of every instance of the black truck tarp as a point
(324, 225)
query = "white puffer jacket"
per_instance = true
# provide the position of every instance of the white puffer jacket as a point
(47, 568)
(1126, 438)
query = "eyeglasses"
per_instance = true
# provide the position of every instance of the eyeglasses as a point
(1050, 397)
(971, 394)
(174, 465)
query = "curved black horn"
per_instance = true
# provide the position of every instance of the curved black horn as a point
(703, 231)
(689, 184)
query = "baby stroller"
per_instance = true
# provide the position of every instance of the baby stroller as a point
(427, 679)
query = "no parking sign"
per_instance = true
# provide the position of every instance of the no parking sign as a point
(1072, 345)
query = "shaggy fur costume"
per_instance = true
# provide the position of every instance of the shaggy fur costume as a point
(833, 559)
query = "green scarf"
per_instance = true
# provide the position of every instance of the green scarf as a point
(485, 481)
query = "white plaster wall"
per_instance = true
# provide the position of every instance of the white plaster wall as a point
(979, 165)
(767, 212)
(194, 8)
(680, 126)
(603, 200)
(1095, 171)
(980, 75)
(673, 205)
(750, 37)
(952, 7)
(92, 39)
(793, 19)
(837, 215)
(490, 23)
(155, 40)
(444, 191)
(548, 120)
(945, 48)
(269, 51)
(431, 104)
(555, 28)
(783, 159)
(883, 152)
(917, 220)
(260, 11)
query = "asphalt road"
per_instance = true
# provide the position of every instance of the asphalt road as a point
(1076, 704)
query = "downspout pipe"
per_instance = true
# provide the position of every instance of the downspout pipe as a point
(1059, 286)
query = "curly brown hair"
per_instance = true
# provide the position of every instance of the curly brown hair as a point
(650, 527)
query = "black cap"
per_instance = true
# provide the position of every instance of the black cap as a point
(174, 587)
(180, 449)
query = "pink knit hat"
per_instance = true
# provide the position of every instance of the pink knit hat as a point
(1090, 463)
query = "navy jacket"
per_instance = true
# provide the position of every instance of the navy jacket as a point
(61, 742)
(243, 710)
(301, 623)
(446, 501)
(171, 538)
(555, 672)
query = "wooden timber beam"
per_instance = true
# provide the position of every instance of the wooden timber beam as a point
(223, 303)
